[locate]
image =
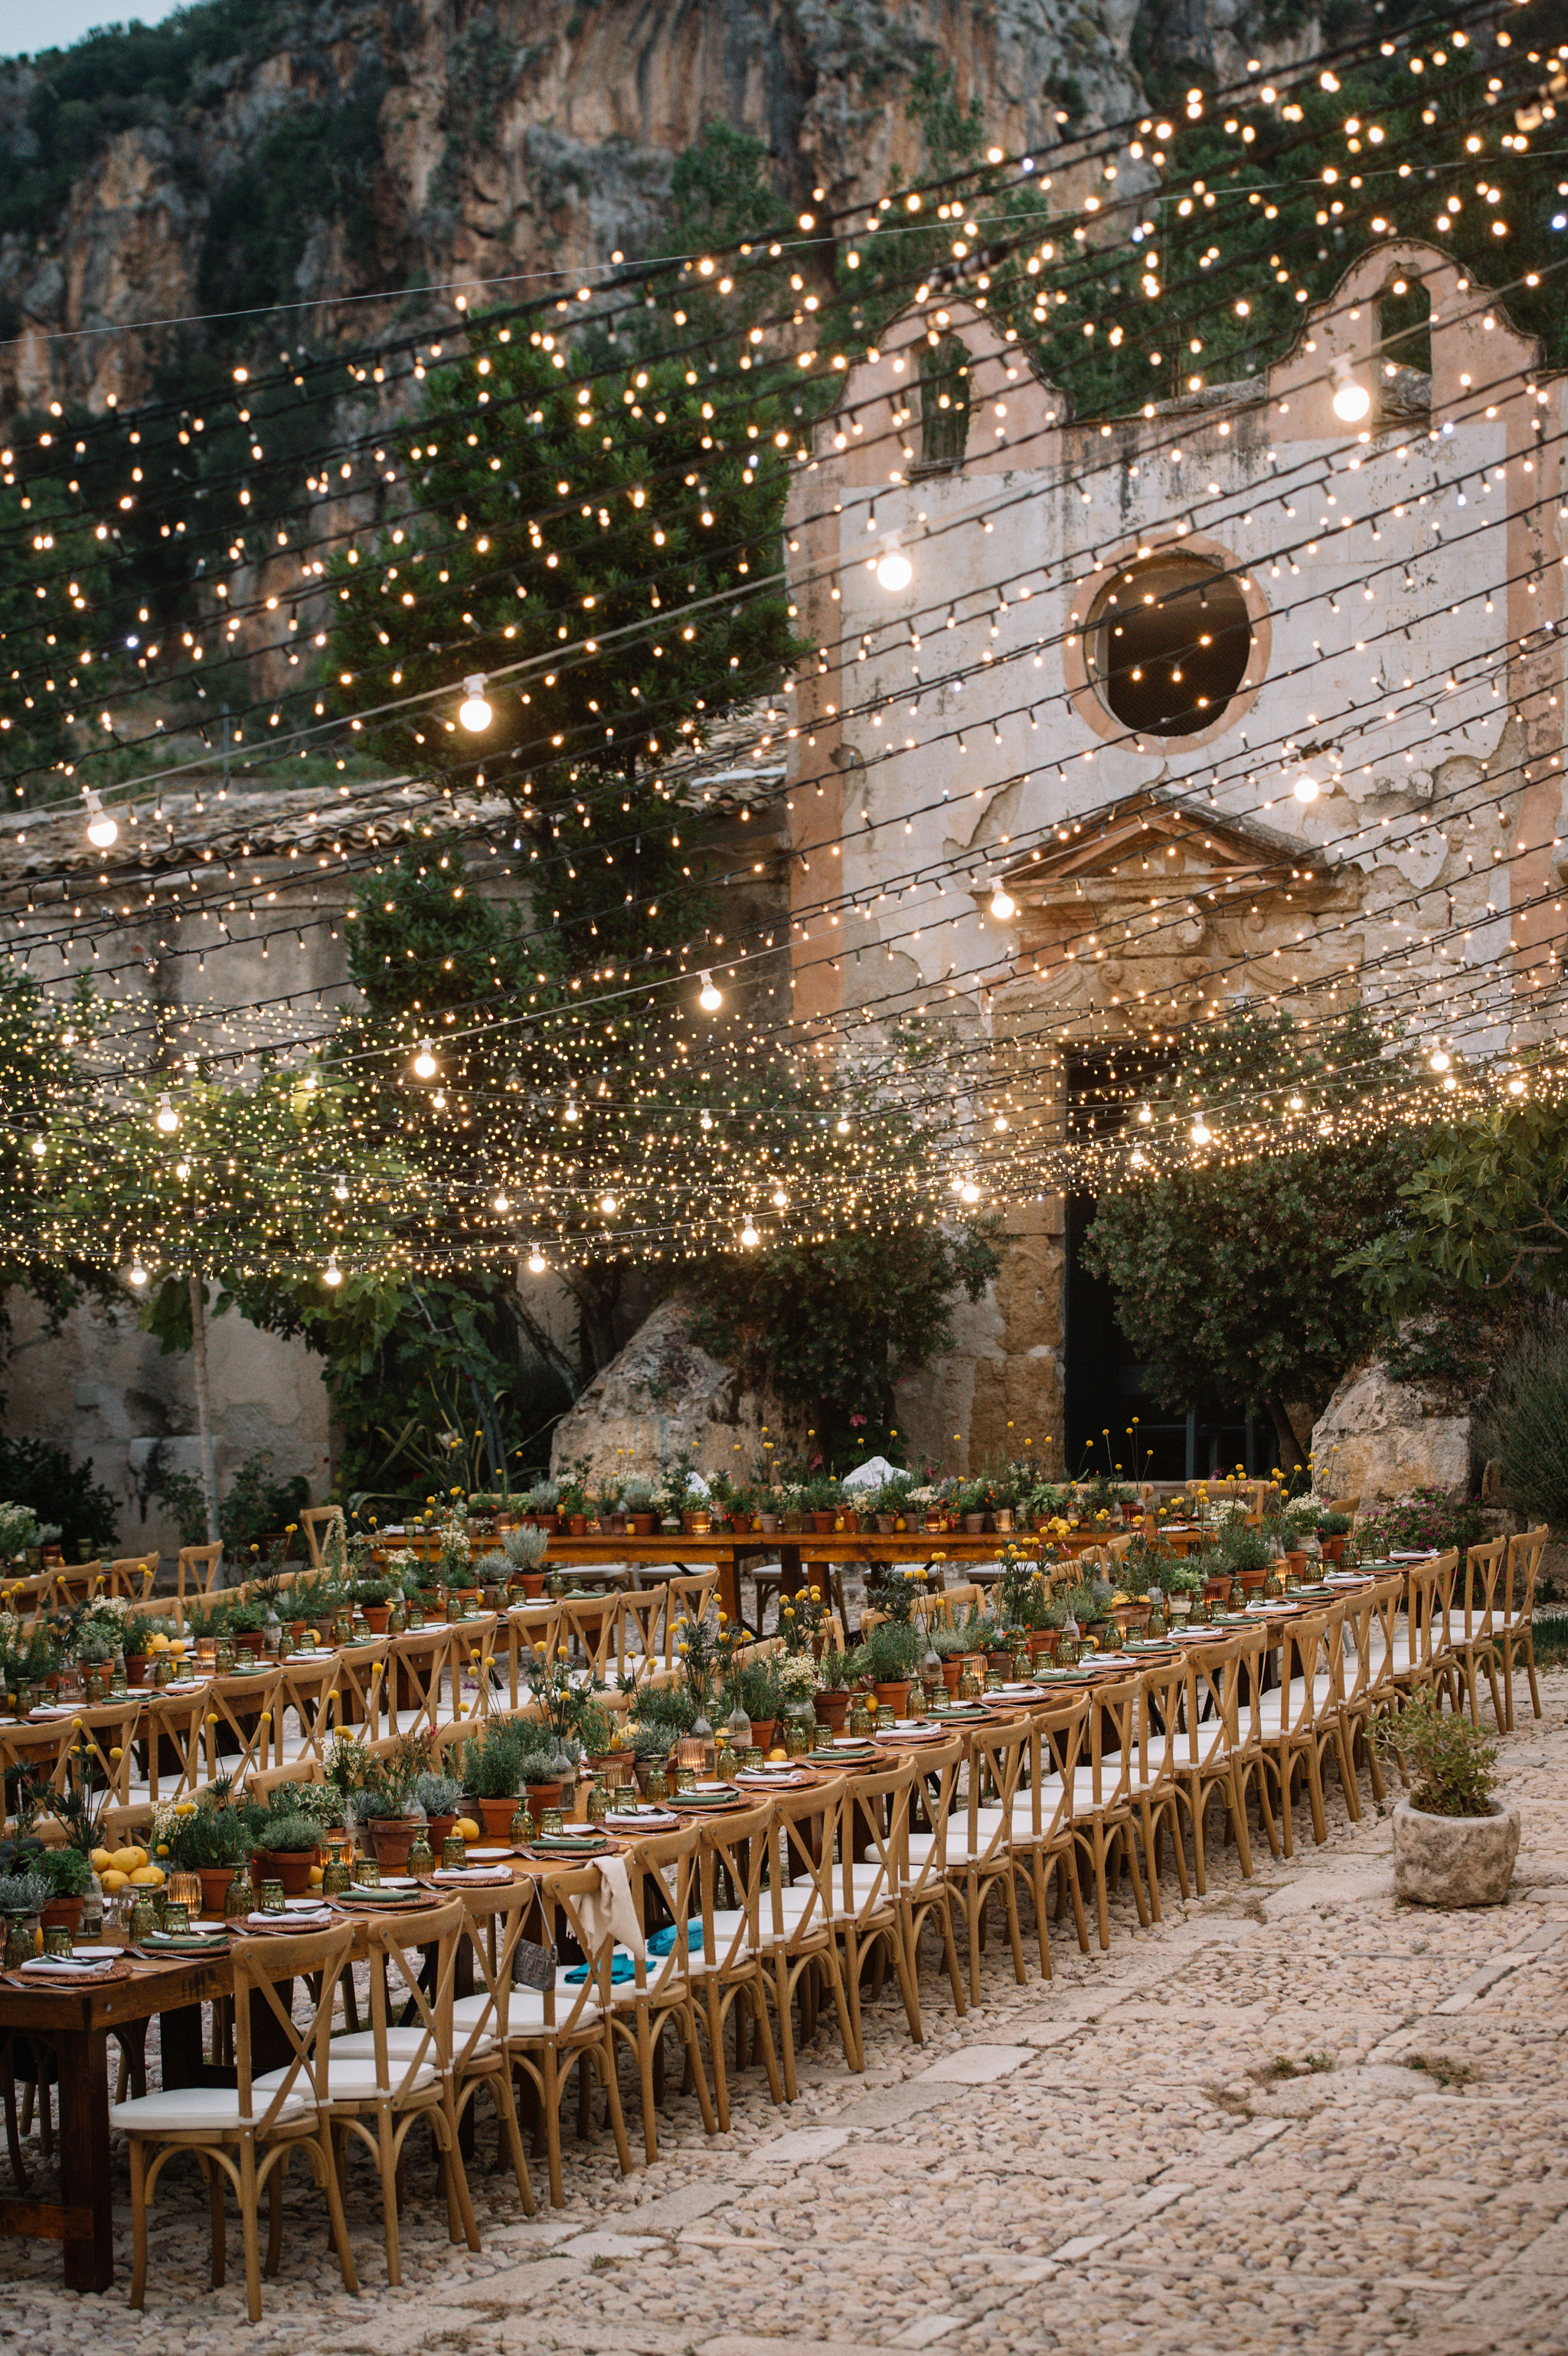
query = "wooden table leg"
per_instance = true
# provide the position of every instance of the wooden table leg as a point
(730, 1585)
(83, 2066)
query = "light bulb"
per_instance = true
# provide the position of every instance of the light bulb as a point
(1515, 1088)
(706, 1120)
(536, 1263)
(1449, 1081)
(1306, 787)
(781, 1200)
(608, 1207)
(101, 830)
(439, 1099)
(503, 1200)
(569, 1110)
(969, 1192)
(1351, 400)
(1144, 1114)
(1003, 905)
(168, 1120)
(424, 1062)
(749, 1236)
(895, 571)
(138, 1274)
(474, 711)
(332, 1273)
(39, 1147)
(1296, 1103)
(710, 998)
(1139, 1158)
(1200, 1131)
(1001, 1124)
(182, 1170)
(340, 1191)
(843, 1128)
(1438, 1060)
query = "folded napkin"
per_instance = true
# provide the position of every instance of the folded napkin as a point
(609, 1913)
(64, 1968)
(471, 1873)
(623, 1966)
(646, 1820)
(289, 1923)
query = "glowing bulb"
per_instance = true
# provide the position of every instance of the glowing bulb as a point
(1144, 1114)
(424, 1062)
(101, 830)
(536, 1263)
(781, 1200)
(168, 1120)
(1003, 905)
(895, 571)
(1139, 1158)
(708, 998)
(1001, 1124)
(1351, 400)
(969, 1192)
(503, 1201)
(843, 1128)
(332, 1273)
(1297, 1103)
(473, 712)
(439, 1101)
(608, 1207)
(138, 1274)
(340, 1190)
(749, 1237)
(39, 1148)
(568, 1112)
(1306, 787)
(706, 1120)
(182, 1170)
(1515, 1088)
(1200, 1131)
(1438, 1060)
(1449, 1082)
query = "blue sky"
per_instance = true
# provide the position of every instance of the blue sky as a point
(28, 25)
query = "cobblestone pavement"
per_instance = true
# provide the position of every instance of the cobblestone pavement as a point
(1292, 2116)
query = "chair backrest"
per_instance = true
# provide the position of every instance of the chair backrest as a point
(809, 1825)
(1056, 1745)
(1112, 1744)
(1524, 1553)
(561, 1895)
(590, 1625)
(1358, 1661)
(266, 1782)
(931, 1803)
(494, 1928)
(417, 1664)
(406, 1992)
(315, 1521)
(1476, 1592)
(245, 1707)
(260, 1967)
(876, 1822)
(131, 1576)
(76, 1582)
(1253, 1652)
(735, 1846)
(668, 1862)
(640, 1645)
(1158, 1718)
(997, 1757)
(950, 1604)
(1209, 1723)
(361, 1684)
(1307, 1651)
(1116, 1547)
(196, 1568)
(1426, 1591)
(176, 1724)
(307, 1690)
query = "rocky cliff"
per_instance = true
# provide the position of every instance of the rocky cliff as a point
(342, 154)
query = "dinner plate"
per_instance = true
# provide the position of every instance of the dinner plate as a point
(488, 1856)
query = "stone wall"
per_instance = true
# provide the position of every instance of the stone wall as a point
(1379, 1439)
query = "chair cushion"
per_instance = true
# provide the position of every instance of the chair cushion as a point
(524, 2013)
(353, 2080)
(187, 2110)
(403, 2044)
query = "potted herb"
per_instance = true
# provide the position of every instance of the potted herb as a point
(638, 1498)
(1453, 1844)
(493, 1772)
(651, 1746)
(374, 1598)
(831, 1699)
(544, 1501)
(549, 1772)
(210, 1839)
(1333, 1529)
(386, 1804)
(441, 1797)
(822, 1502)
(971, 1500)
(24, 1894)
(888, 1657)
(754, 1686)
(288, 1843)
(70, 1876)
(524, 1550)
(664, 1713)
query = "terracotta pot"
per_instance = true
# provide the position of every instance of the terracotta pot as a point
(1042, 1642)
(496, 1815)
(530, 1582)
(1333, 1549)
(543, 1795)
(822, 1524)
(741, 1524)
(1136, 1615)
(850, 1519)
(763, 1729)
(391, 1838)
(252, 1641)
(643, 1524)
(767, 1524)
(832, 1707)
(63, 1915)
(1003, 1661)
(289, 1866)
(1296, 1558)
(973, 1524)
(376, 1617)
(550, 1521)
(215, 1880)
(885, 1525)
(896, 1692)
(1216, 1590)
(952, 1671)
(436, 1830)
(135, 1668)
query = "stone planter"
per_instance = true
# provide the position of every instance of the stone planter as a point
(973, 1524)
(767, 1524)
(1454, 1860)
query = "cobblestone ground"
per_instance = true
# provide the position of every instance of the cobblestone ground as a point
(1292, 2116)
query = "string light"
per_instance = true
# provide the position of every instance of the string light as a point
(473, 712)
(710, 998)
(332, 1274)
(536, 1263)
(168, 1120)
(1306, 788)
(138, 1274)
(749, 1237)
(425, 1065)
(895, 571)
(101, 830)
(1003, 905)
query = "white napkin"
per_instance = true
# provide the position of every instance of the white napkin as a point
(611, 1914)
(64, 1968)
(471, 1873)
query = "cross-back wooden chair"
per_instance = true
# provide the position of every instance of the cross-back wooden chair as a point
(196, 1568)
(492, 1930)
(949, 1605)
(797, 1918)
(1515, 1621)
(1300, 1717)
(400, 2069)
(732, 1851)
(1102, 1794)
(1418, 1654)
(1209, 1756)
(315, 1521)
(590, 1626)
(173, 1730)
(362, 1686)
(641, 1639)
(1158, 1718)
(94, 1750)
(247, 2133)
(566, 2023)
(690, 1594)
(263, 1782)
(979, 1838)
(924, 1896)
(1470, 1639)
(238, 1715)
(307, 1692)
(469, 1667)
(532, 1632)
(869, 1886)
(131, 1576)
(76, 1582)
(417, 1669)
(662, 1868)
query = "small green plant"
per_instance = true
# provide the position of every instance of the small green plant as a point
(669, 1708)
(891, 1652)
(492, 1761)
(286, 1831)
(1448, 1766)
(524, 1549)
(1447, 2071)
(25, 1891)
(216, 1833)
(256, 1503)
(439, 1795)
(68, 1872)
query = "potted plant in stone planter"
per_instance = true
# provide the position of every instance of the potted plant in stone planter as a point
(1453, 1844)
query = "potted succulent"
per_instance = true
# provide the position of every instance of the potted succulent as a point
(549, 1773)
(288, 1845)
(441, 1797)
(493, 1764)
(374, 1598)
(1453, 1844)
(544, 1500)
(637, 1500)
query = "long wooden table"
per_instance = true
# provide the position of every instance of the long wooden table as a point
(796, 1552)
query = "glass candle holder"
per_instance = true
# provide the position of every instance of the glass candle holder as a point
(177, 1915)
(271, 1901)
(184, 1889)
(552, 1821)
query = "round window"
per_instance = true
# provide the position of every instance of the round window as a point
(1167, 641)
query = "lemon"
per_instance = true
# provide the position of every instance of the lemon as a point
(102, 1858)
(158, 1643)
(776, 1753)
(111, 1880)
(466, 1827)
(147, 1877)
(316, 1873)
(126, 1860)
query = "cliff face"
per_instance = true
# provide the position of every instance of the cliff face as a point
(248, 157)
